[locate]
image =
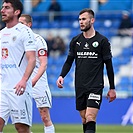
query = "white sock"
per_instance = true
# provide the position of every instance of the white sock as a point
(49, 129)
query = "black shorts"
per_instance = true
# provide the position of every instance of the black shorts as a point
(91, 97)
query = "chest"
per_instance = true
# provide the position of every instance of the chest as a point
(87, 46)
(87, 49)
(11, 39)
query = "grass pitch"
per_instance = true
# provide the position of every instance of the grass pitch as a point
(75, 128)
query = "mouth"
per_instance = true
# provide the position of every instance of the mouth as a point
(81, 26)
(3, 15)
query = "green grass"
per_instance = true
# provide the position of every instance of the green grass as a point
(70, 128)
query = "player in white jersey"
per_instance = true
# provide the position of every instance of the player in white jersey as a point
(41, 91)
(17, 64)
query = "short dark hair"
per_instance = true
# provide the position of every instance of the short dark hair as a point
(16, 4)
(91, 12)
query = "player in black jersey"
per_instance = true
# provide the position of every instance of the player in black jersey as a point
(91, 51)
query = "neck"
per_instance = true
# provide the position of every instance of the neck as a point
(11, 24)
(90, 33)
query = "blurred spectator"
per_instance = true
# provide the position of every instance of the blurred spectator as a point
(35, 2)
(54, 10)
(56, 45)
(102, 2)
(125, 28)
(50, 42)
(59, 46)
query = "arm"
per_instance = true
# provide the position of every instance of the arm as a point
(110, 73)
(66, 67)
(41, 69)
(111, 95)
(30, 66)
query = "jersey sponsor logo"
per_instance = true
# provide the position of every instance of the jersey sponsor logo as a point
(78, 43)
(94, 96)
(87, 55)
(42, 52)
(8, 34)
(8, 66)
(95, 44)
(4, 53)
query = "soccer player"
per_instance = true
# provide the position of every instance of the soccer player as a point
(17, 63)
(91, 51)
(41, 91)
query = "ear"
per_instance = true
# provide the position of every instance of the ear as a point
(30, 24)
(17, 12)
(92, 20)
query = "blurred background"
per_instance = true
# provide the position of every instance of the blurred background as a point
(57, 22)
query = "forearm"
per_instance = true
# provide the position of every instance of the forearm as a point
(67, 65)
(40, 72)
(29, 68)
(110, 73)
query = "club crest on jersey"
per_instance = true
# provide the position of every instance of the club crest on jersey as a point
(4, 53)
(95, 44)
(86, 46)
(14, 38)
(42, 52)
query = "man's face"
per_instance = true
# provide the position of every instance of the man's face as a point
(23, 21)
(7, 12)
(85, 21)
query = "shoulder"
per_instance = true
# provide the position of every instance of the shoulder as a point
(76, 37)
(23, 28)
(100, 36)
(40, 41)
(39, 37)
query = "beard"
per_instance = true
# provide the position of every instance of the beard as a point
(86, 28)
(6, 19)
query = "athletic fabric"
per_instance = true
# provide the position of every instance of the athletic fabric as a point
(41, 91)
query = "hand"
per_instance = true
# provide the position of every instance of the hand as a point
(60, 82)
(111, 95)
(20, 87)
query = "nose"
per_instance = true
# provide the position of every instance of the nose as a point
(2, 9)
(80, 21)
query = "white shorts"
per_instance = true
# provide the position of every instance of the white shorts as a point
(19, 108)
(42, 96)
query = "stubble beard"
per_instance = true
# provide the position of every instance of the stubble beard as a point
(86, 29)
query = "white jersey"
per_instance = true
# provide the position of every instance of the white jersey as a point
(15, 42)
(41, 48)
